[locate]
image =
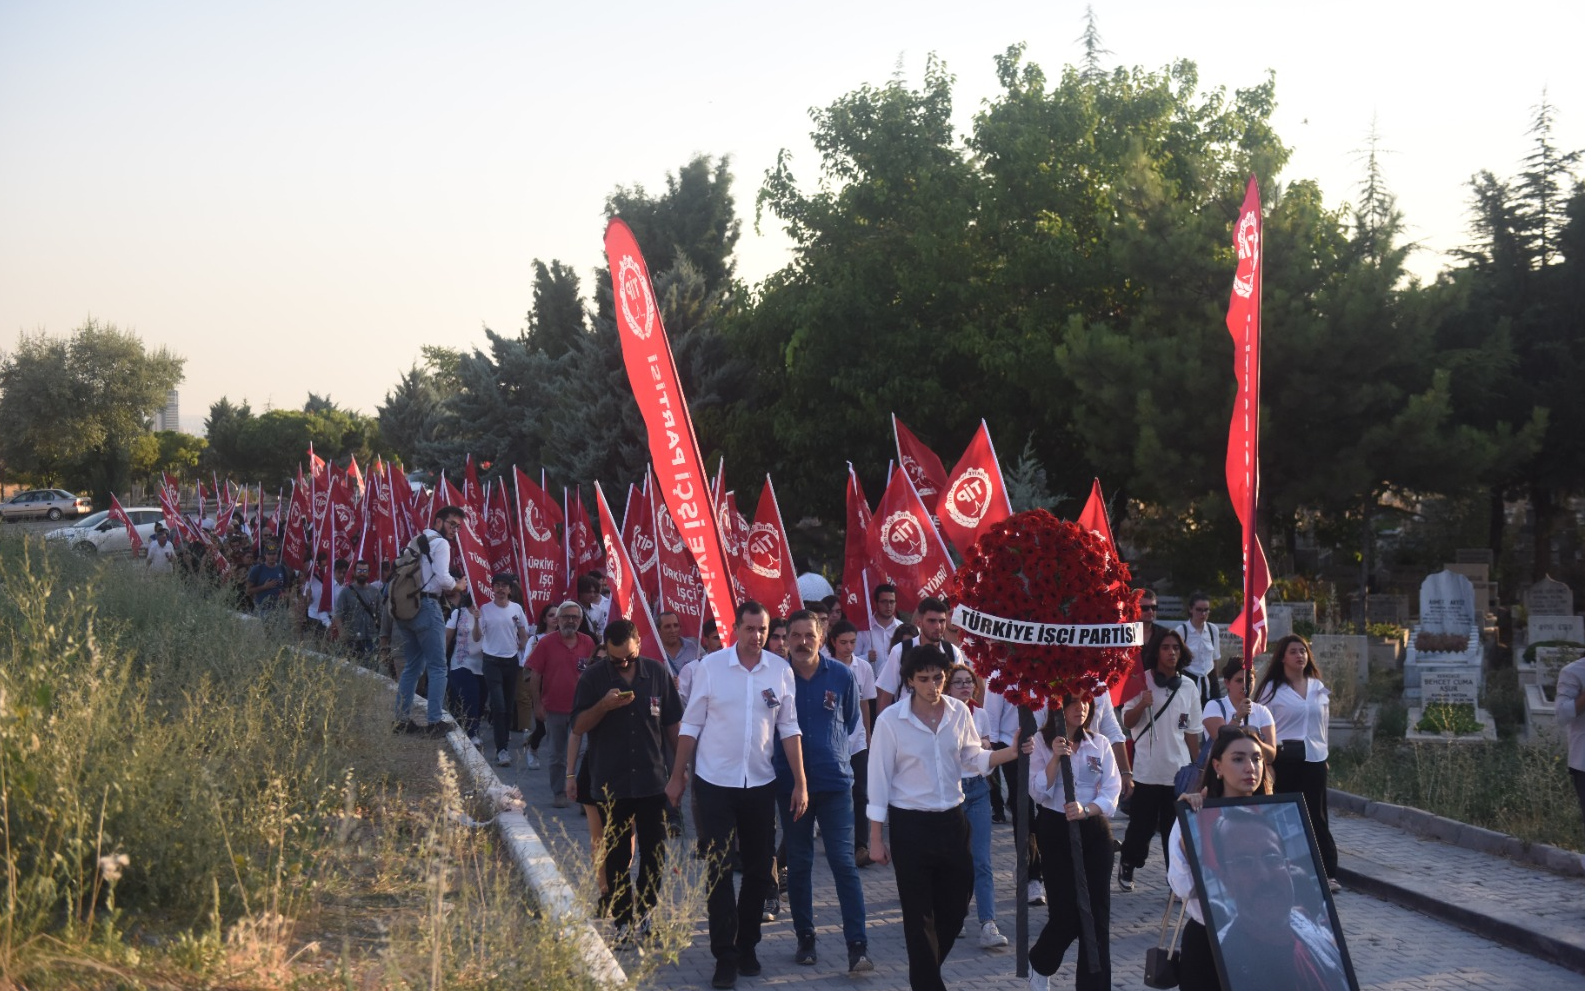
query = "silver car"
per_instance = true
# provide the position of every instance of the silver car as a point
(46, 504)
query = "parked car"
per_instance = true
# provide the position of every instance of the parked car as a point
(49, 504)
(99, 534)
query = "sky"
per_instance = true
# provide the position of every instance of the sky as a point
(298, 196)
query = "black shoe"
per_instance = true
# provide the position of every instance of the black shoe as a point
(404, 726)
(999, 819)
(781, 880)
(772, 908)
(859, 958)
(725, 975)
(437, 729)
(747, 963)
(806, 950)
(1125, 877)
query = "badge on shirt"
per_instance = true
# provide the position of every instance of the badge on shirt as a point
(831, 701)
(771, 701)
(654, 706)
(1094, 763)
(1183, 720)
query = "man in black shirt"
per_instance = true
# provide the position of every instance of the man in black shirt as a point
(628, 709)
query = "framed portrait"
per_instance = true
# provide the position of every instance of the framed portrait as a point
(1268, 911)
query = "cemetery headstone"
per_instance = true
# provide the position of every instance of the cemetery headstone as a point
(1544, 628)
(1549, 597)
(1342, 657)
(1452, 686)
(1447, 603)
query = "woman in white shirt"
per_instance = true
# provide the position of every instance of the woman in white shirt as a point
(1301, 705)
(964, 685)
(465, 683)
(1237, 769)
(1096, 785)
(1235, 705)
(920, 750)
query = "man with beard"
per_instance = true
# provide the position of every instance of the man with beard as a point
(931, 618)
(827, 699)
(554, 667)
(627, 708)
(355, 622)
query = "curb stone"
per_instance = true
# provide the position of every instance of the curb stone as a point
(1460, 834)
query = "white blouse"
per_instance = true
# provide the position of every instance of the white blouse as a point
(1180, 876)
(1302, 717)
(916, 769)
(1095, 776)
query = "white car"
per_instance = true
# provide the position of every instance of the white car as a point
(99, 534)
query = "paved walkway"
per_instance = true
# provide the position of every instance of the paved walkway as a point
(1393, 948)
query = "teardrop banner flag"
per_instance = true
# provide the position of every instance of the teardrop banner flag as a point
(1243, 432)
(673, 446)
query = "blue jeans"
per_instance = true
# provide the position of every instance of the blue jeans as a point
(834, 811)
(977, 809)
(423, 649)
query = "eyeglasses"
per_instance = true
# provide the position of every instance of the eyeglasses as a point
(962, 683)
(1147, 607)
(1201, 609)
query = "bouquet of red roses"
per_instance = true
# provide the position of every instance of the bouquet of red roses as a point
(1034, 567)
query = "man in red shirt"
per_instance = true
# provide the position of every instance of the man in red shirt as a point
(554, 667)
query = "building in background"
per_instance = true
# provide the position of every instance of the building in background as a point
(169, 416)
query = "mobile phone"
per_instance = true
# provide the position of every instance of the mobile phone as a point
(624, 695)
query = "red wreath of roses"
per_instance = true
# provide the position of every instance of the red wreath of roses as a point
(1036, 568)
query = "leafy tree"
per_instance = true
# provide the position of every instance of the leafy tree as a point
(556, 323)
(178, 453)
(72, 407)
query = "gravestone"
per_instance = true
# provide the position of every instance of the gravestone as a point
(1452, 686)
(1544, 628)
(1232, 644)
(1279, 622)
(1447, 603)
(1548, 597)
(1475, 572)
(1342, 656)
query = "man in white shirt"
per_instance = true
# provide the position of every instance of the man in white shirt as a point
(1205, 648)
(844, 637)
(502, 628)
(161, 555)
(742, 698)
(595, 606)
(931, 618)
(424, 636)
(875, 642)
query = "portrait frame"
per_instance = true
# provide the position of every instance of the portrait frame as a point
(1241, 850)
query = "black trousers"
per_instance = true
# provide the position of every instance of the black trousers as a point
(935, 877)
(647, 818)
(500, 685)
(1197, 967)
(749, 816)
(861, 791)
(1152, 813)
(1016, 793)
(1062, 927)
(1578, 777)
(1308, 778)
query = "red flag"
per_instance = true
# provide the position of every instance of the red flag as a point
(768, 573)
(354, 476)
(1243, 434)
(923, 467)
(627, 599)
(905, 545)
(638, 536)
(674, 449)
(380, 537)
(680, 588)
(171, 506)
(543, 565)
(120, 516)
(734, 530)
(404, 507)
(498, 530)
(468, 549)
(472, 496)
(583, 548)
(1094, 517)
(856, 556)
(975, 496)
(294, 543)
(316, 464)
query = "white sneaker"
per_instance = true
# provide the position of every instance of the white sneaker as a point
(1038, 981)
(530, 760)
(991, 937)
(474, 739)
(503, 758)
(1037, 895)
